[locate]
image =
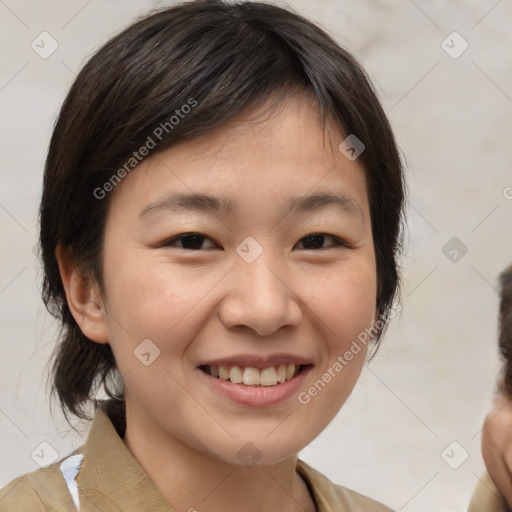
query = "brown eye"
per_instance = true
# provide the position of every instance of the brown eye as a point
(316, 241)
(188, 241)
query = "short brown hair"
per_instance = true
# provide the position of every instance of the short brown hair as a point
(228, 58)
(505, 331)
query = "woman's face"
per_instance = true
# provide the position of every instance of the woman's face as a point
(261, 291)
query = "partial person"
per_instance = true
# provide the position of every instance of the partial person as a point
(494, 490)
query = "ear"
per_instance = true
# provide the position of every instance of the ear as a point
(84, 298)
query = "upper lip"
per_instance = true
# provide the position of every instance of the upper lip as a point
(256, 361)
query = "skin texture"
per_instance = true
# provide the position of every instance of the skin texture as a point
(497, 445)
(210, 303)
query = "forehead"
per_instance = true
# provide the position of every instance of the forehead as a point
(291, 128)
(264, 155)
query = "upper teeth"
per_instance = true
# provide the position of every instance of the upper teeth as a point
(253, 376)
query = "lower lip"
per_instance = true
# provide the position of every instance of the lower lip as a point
(257, 395)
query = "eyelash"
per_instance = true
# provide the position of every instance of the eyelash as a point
(337, 242)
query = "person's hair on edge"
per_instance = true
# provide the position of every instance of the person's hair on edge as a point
(505, 332)
(220, 60)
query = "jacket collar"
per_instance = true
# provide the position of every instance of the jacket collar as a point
(110, 478)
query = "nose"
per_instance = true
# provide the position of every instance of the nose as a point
(259, 297)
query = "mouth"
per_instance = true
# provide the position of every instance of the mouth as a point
(256, 380)
(255, 377)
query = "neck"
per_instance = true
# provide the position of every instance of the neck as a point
(190, 479)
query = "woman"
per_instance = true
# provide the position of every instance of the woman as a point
(220, 222)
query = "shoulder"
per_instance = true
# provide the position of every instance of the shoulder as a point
(42, 490)
(18, 495)
(363, 503)
(486, 497)
(330, 497)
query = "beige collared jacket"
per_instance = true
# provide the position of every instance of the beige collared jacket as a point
(103, 476)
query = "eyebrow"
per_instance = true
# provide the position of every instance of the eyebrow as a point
(208, 203)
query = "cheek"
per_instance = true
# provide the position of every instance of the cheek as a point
(345, 302)
(346, 308)
(152, 298)
(157, 301)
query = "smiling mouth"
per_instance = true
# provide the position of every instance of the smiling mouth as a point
(249, 376)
